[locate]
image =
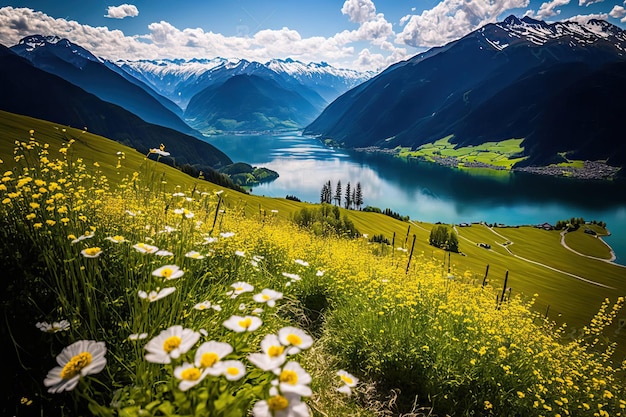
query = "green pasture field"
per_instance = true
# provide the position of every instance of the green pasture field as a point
(587, 244)
(500, 154)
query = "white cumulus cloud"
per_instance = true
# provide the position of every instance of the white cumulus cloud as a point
(549, 9)
(584, 18)
(452, 19)
(122, 11)
(164, 40)
(588, 2)
(618, 12)
(359, 11)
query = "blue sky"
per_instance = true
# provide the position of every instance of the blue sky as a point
(359, 34)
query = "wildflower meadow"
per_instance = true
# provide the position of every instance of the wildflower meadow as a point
(134, 296)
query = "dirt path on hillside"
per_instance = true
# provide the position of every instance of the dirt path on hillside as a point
(611, 261)
(506, 247)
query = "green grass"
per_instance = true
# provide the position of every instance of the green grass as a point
(574, 300)
(499, 154)
(409, 332)
(587, 244)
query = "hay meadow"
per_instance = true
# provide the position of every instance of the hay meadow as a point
(131, 289)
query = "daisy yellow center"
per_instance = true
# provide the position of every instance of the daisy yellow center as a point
(167, 272)
(346, 379)
(75, 365)
(288, 376)
(245, 323)
(118, 238)
(294, 339)
(92, 251)
(171, 343)
(239, 289)
(190, 374)
(265, 297)
(275, 351)
(209, 359)
(232, 371)
(277, 403)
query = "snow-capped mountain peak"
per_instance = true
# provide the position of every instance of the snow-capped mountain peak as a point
(538, 32)
(60, 47)
(179, 79)
(36, 41)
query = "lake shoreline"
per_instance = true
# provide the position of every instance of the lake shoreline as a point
(591, 170)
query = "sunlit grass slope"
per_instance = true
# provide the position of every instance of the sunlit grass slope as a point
(161, 295)
(575, 300)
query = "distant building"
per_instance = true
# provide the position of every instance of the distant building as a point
(545, 226)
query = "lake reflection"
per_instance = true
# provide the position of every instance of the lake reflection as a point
(425, 191)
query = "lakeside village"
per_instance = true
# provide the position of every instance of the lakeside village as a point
(590, 170)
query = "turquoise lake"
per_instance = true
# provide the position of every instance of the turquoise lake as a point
(426, 191)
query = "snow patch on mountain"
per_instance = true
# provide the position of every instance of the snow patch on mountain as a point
(574, 33)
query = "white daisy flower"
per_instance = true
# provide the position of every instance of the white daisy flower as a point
(194, 255)
(293, 277)
(83, 237)
(301, 262)
(292, 378)
(296, 338)
(227, 234)
(280, 405)
(203, 305)
(273, 355)
(137, 336)
(189, 375)
(243, 324)
(170, 344)
(168, 272)
(116, 239)
(93, 252)
(239, 288)
(233, 370)
(144, 248)
(163, 252)
(209, 354)
(156, 295)
(268, 296)
(57, 326)
(79, 359)
(349, 381)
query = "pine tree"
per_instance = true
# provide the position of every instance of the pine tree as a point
(358, 199)
(329, 197)
(337, 196)
(325, 194)
(348, 198)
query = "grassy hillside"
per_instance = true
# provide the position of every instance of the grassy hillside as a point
(571, 300)
(129, 273)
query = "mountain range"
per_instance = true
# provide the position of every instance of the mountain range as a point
(159, 92)
(179, 80)
(101, 78)
(28, 90)
(280, 94)
(559, 86)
